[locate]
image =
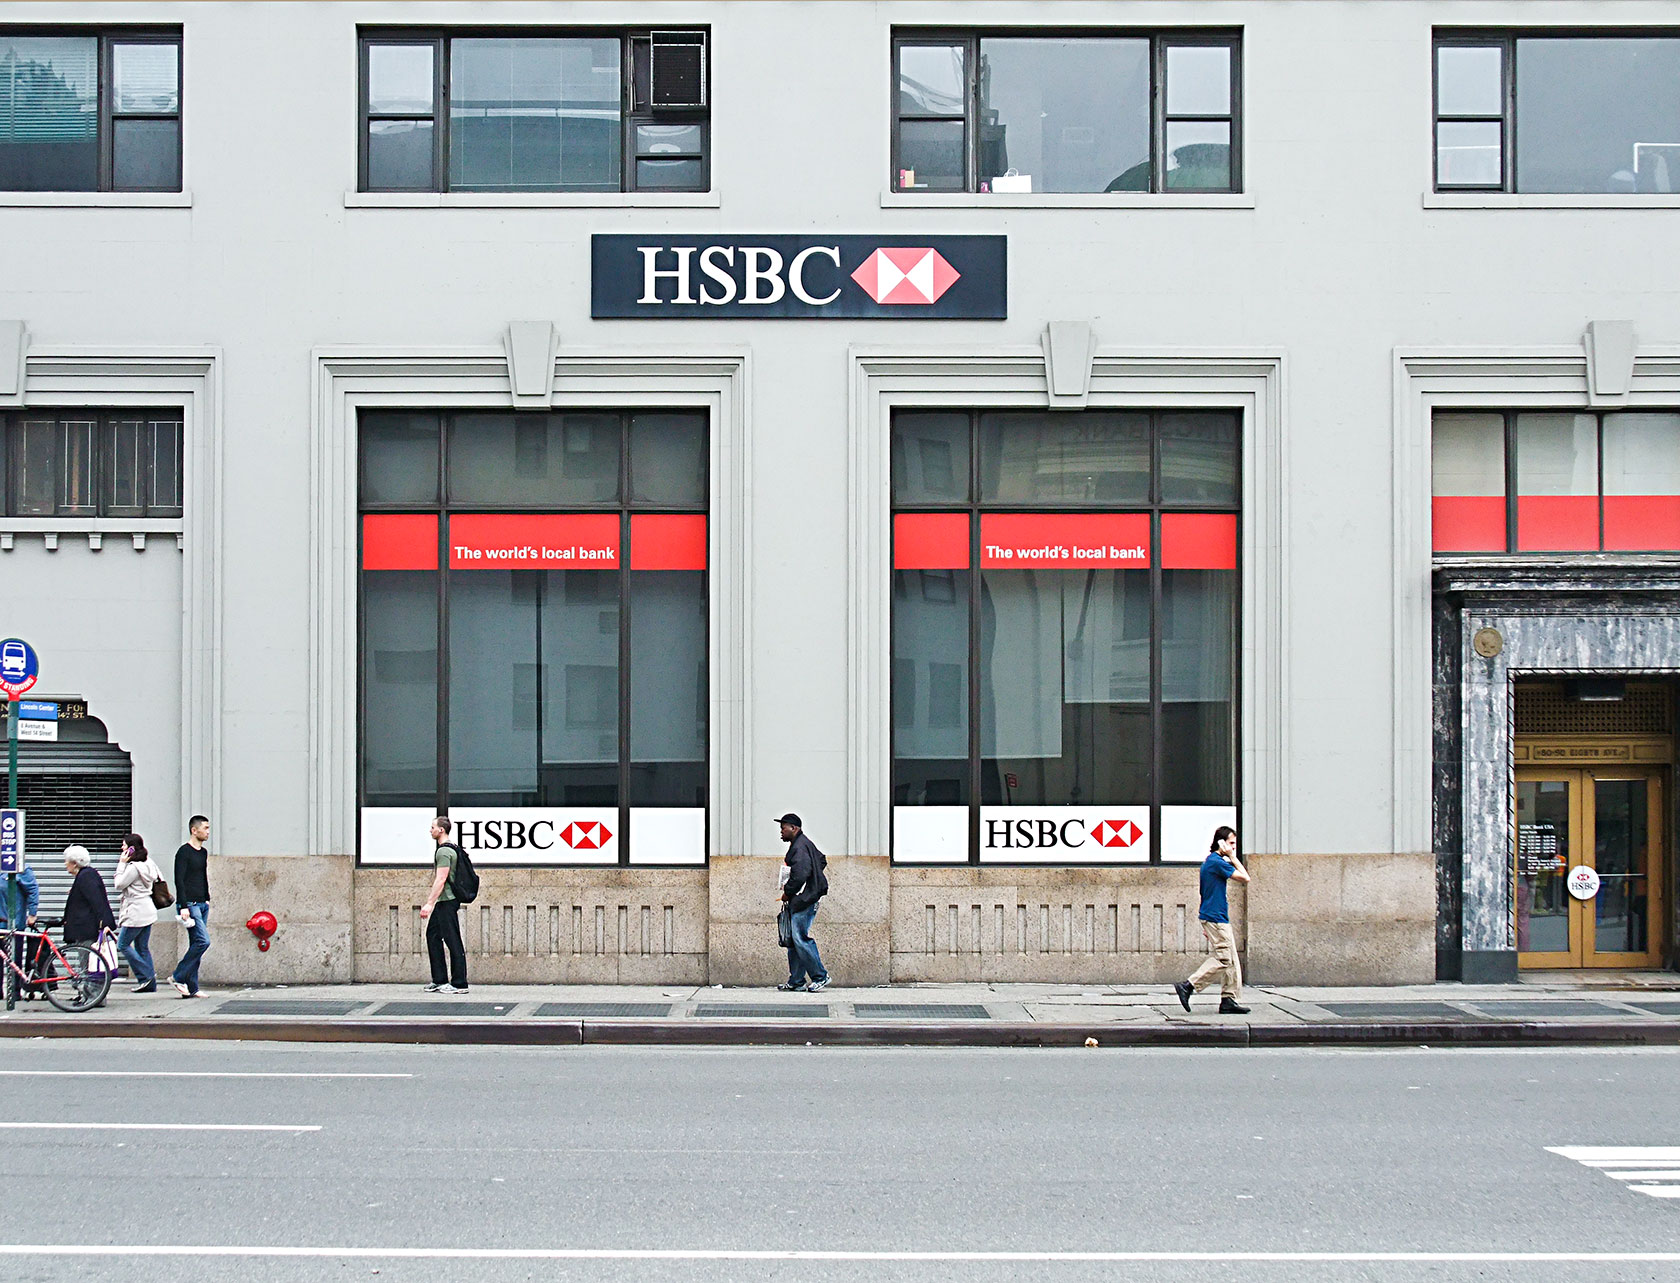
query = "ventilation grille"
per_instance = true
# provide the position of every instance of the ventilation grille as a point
(1545, 708)
(93, 809)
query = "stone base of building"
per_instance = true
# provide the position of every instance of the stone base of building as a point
(1306, 919)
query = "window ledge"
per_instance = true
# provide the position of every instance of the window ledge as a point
(532, 200)
(1067, 200)
(1548, 200)
(96, 530)
(95, 200)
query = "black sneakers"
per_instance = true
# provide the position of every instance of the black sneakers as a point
(1183, 990)
(1230, 1007)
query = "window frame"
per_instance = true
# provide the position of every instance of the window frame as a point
(1506, 39)
(108, 37)
(103, 463)
(631, 112)
(626, 507)
(973, 509)
(1160, 40)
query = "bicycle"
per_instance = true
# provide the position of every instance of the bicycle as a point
(72, 977)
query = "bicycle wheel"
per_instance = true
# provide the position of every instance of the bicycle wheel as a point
(83, 983)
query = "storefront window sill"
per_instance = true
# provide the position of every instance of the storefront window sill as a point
(1541, 200)
(1067, 200)
(96, 530)
(95, 200)
(532, 200)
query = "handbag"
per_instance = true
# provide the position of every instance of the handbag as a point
(105, 951)
(784, 927)
(161, 898)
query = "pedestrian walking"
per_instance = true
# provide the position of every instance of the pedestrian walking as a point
(192, 891)
(136, 911)
(806, 884)
(442, 912)
(87, 908)
(1221, 867)
(28, 907)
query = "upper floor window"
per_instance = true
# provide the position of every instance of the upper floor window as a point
(88, 111)
(86, 463)
(535, 112)
(1545, 113)
(1012, 112)
(1557, 481)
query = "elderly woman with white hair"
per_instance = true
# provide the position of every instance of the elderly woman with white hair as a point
(88, 907)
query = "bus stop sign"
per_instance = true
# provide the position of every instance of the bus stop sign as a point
(11, 841)
(19, 667)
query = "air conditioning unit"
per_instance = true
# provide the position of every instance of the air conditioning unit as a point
(678, 69)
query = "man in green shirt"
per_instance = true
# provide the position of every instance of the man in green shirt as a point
(442, 915)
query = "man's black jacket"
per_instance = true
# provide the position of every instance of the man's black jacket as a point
(806, 883)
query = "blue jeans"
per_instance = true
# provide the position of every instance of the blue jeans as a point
(198, 940)
(803, 959)
(135, 945)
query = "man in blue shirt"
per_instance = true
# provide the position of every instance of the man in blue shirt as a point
(1220, 867)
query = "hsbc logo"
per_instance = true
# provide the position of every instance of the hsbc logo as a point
(521, 835)
(588, 836)
(941, 277)
(1095, 835)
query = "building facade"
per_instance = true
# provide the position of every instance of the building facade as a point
(1017, 437)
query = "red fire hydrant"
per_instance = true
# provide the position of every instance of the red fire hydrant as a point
(262, 924)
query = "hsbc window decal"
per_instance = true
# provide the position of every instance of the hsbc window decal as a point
(895, 278)
(1064, 635)
(533, 650)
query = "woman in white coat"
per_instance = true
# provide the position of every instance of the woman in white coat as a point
(136, 914)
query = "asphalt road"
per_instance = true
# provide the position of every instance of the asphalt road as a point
(1309, 1165)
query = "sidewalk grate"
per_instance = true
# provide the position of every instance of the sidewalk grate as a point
(1534, 1009)
(921, 1011)
(575, 1010)
(1395, 1011)
(287, 1007)
(761, 1011)
(444, 1009)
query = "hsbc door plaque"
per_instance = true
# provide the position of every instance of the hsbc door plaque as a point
(887, 278)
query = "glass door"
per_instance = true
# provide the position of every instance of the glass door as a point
(1627, 832)
(1549, 930)
(1609, 821)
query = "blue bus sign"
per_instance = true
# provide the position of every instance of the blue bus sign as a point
(37, 710)
(11, 841)
(19, 667)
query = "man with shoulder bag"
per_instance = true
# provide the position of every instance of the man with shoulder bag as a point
(455, 876)
(806, 884)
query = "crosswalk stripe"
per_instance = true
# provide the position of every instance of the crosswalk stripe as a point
(1611, 1153)
(1644, 1176)
(1652, 1170)
(1657, 1191)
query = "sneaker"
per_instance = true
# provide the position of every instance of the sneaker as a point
(430, 988)
(446, 989)
(149, 987)
(792, 986)
(817, 986)
(1231, 1007)
(181, 989)
(1183, 990)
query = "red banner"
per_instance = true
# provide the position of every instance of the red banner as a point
(400, 542)
(930, 541)
(1469, 523)
(1198, 541)
(498, 541)
(667, 542)
(1071, 541)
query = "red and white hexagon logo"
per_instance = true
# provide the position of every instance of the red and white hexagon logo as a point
(898, 275)
(1116, 833)
(589, 835)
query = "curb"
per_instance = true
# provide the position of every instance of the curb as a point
(786, 1033)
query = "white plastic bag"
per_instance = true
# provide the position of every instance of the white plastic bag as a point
(1012, 181)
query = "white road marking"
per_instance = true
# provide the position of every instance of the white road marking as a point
(170, 1073)
(162, 1127)
(1640, 1165)
(798, 1254)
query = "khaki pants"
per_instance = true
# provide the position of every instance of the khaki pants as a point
(1222, 957)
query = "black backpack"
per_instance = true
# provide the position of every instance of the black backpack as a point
(464, 880)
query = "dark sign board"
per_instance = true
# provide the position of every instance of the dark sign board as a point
(886, 278)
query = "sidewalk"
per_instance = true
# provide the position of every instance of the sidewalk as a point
(1629, 1009)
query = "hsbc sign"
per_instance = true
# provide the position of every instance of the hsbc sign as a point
(897, 278)
(1066, 835)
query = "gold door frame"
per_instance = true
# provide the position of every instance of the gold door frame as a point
(1551, 959)
(1656, 871)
